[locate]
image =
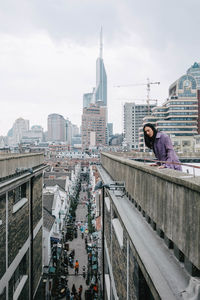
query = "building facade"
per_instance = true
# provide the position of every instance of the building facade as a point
(101, 83)
(133, 120)
(33, 136)
(20, 225)
(56, 125)
(16, 133)
(179, 114)
(93, 126)
(87, 99)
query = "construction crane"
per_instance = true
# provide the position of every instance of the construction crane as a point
(148, 85)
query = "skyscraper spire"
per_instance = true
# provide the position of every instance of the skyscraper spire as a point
(101, 43)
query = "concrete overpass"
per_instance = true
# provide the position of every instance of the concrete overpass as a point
(152, 232)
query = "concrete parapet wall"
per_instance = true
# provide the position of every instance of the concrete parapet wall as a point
(170, 198)
(9, 163)
(136, 154)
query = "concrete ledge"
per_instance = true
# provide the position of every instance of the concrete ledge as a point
(19, 204)
(171, 201)
(166, 277)
(9, 164)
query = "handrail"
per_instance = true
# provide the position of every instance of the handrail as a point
(168, 162)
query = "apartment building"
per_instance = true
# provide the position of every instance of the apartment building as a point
(20, 225)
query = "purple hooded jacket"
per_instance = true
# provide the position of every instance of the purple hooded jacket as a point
(164, 151)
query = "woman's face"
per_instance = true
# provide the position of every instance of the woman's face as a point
(148, 131)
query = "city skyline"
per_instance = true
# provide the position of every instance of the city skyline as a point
(47, 58)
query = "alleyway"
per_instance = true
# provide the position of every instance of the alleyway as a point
(78, 244)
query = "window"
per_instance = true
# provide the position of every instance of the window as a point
(19, 193)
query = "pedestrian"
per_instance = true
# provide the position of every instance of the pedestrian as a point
(90, 257)
(76, 267)
(76, 296)
(67, 294)
(162, 147)
(73, 289)
(80, 291)
(95, 289)
(72, 296)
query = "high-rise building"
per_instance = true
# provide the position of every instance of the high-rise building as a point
(87, 99)
(93, 126)
(179, 114)
(35, 135)
(72, 131)
(16, 133)
(194, 70)
(101, 79)
(56, 128)
(133, 119)
(94, 118)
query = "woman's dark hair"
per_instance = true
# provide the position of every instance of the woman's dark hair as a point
(149, 141)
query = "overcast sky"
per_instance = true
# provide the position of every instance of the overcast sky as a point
(48, 52)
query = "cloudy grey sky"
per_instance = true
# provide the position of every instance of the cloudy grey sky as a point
(48, 52)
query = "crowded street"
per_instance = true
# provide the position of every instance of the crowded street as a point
(76, 266)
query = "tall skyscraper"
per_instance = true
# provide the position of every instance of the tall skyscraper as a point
(56, 128)
(87, 99)
(101, 78)
(94, 117)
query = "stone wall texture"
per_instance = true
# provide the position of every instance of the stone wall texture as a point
(18, 227)
(37, 200)
(37, 259)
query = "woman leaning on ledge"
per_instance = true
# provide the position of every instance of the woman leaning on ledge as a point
(162, 147)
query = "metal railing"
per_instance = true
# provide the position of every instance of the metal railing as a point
(166, 162)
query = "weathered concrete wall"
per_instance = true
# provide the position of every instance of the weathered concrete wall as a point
(123, 260)
(9, 163)
(169, 199)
